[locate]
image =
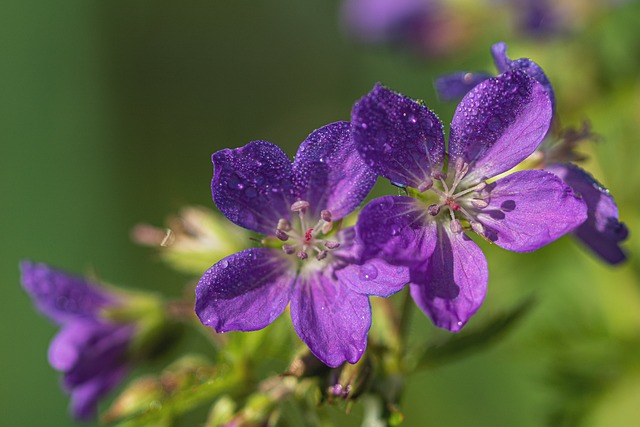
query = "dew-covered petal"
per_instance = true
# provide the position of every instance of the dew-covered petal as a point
(451, 286)
(61, 296)
(85, 397)
(499, 123)
(504, 64)
(329, 173)
(529, 209)
(245, 291)
(399, 138)
(374, 277)
(454, 86)
(252, 185)
(602, 232)
(330, 318)
(397, 229)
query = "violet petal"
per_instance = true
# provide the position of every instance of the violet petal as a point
(252, 185)
(451, 287)
(529, 209)
(61, 296)
(245, 291)
(330, 318)
(498, 124)
(396, 228)
(374, 277)
(329, 173)
(504, 64)
(85, 397)
(399, 138)
(602, 231)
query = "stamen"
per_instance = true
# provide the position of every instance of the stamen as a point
(456, 227)
(439, 175)
(478, 187)
(325, 215)
(326, 228)
(427, 184)
(331, 244)
(288, 249)
(302, 254)
(479, 203)
(322, 255)
(284, 224)
(299, 205)
(434, 209)
(282, 235)
(477, 227)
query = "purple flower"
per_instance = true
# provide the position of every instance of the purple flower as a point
(602, 232)
(89, 351)
(305, 260)
(497, 125)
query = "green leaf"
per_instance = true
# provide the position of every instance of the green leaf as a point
(466, 342)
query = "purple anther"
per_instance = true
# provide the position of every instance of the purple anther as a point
(456, 227)
(438, 175)
(282, 235)
(299, 205)
(331, 244)
(302, 254)
(322, 255)
(288, 249)
(325, 215)
(426, 185)
(433, 209)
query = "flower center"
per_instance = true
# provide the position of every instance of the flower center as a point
(462, 203)
(302, 239)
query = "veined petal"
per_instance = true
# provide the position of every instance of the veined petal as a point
(374, 277)
(61, 296)
(504, 64)
(498, 124)
(454, 86)
(329, 173)
(330, 318)
(396, 228)
(252, 185)
(529, 209)
(602, 232)
(245, 291)
(451, 286)
(399, 138)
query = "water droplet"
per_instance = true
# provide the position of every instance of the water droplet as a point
(363, 125)
(224, 263)
(494, 124)
(368, 272)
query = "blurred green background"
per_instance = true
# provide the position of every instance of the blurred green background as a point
(111, 109)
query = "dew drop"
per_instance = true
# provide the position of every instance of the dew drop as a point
(368, 272)
(494, 124)
(224, 263)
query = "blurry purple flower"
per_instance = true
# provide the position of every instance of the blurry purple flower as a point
(497, 125)
(89, 351)
(305, 261)
(602, 232)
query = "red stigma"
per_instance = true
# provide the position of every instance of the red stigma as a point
(453, 205)
(308, 235)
